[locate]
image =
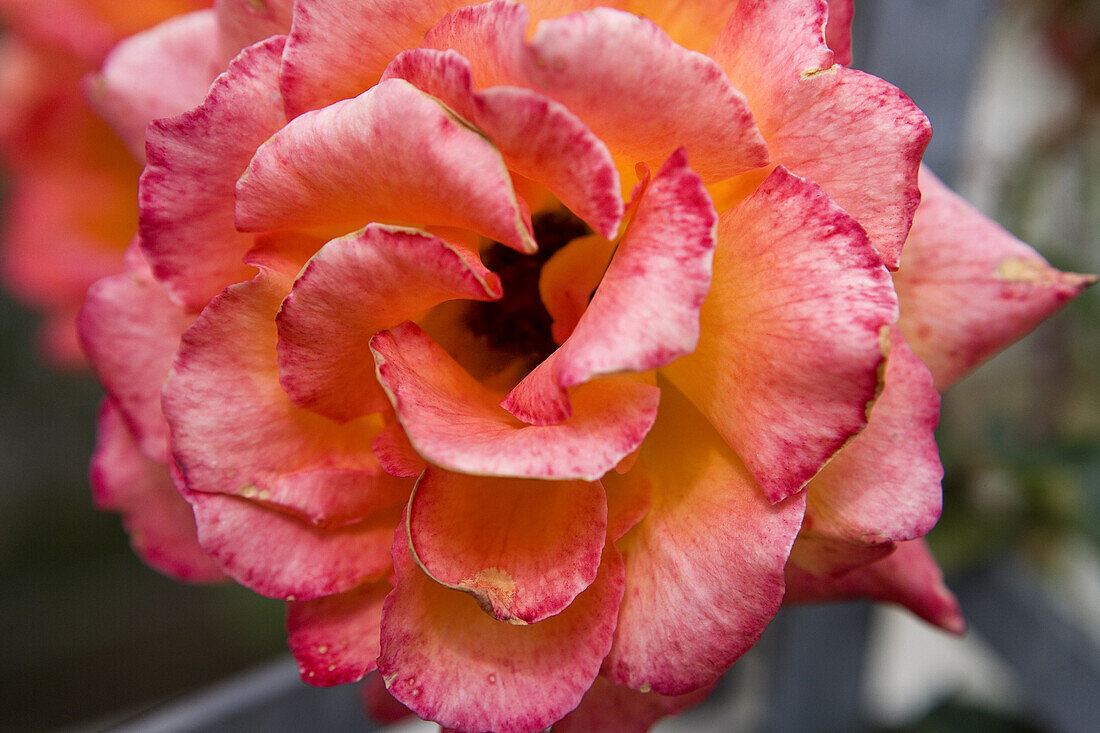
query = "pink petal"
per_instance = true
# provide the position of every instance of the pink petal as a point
(522, 548)
(337, 49)
(244, 22)
(396, 454)
(637, 90)
(611, 708)
(705, 567)
(909, 577)
(537, 137)
(130, 330)
(161, 72)
(280, 556)
(335, 638)
(838, 30)
(186, 191)
(645, 312)
(968, 288)
(160, 523)
(392, 153)
(855, 135)
(791, 343)
(352, 288)
(629, 498)
(234, 431)
(885, 484)
(451, 663)
(455, 422)
(832, 556)
(379, 704)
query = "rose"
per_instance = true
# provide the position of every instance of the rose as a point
(630, 505)
(71, 211)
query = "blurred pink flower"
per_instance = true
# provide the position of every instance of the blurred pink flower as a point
(71, 208)
(537, 451)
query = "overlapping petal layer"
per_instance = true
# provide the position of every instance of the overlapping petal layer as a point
(909, 577)
(392, 154)
(522, 548)
(354, 287)
(793, 332)
(853, 134)
(281, 556)
(638, 91)
(235, 431)
(645, 312)
(194, 160)
(705, 566)
(969, 288)
(448, 661)
(335, 638)
(455, 422)
(537, 137)
(884, 486)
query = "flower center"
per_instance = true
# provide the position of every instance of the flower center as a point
(518, 323)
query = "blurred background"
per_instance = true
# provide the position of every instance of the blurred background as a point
(94, 640)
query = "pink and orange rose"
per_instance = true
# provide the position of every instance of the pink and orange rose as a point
(535, 352)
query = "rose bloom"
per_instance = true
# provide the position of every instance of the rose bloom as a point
(535, 353)
(71, 209)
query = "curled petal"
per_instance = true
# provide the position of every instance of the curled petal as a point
(280, 556)
(158, 73)
(455, 422)
(637, 90)
(885, 484)
(909, 577)
(858, 137)
(335, 638)
(705, 566)
(391, 154)
(234, 431)
(130, 329)
(194, 160)
(160, 523)
(354, 287)
(792, 332)
(522, 548)
(537, 137)
(449, 662)
(645, 312)
(968, 288)
(337, 49)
